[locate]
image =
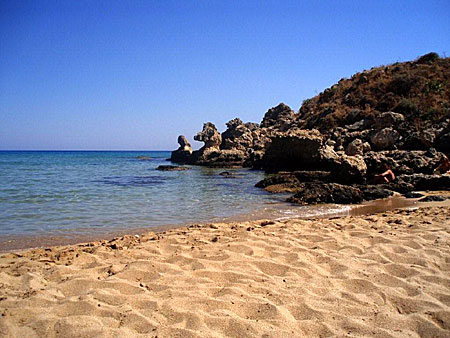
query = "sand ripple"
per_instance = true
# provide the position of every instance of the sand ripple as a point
(383, 275)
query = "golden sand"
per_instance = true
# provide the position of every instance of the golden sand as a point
(383, 275)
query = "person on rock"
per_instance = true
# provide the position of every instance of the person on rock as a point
(386, 177)
(443, 167)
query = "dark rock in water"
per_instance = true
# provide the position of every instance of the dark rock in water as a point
(227, 174)
(374, 192)
(294, 177)
(183, 153)
(428, 182)
(143, 158)
(171, 168)
(413, 195)
(280, 178)
(315, 193)
(434, 198)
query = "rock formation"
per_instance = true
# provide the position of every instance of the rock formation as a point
(395, 116)
(183, 153)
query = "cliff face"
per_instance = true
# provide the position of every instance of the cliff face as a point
(390, 109)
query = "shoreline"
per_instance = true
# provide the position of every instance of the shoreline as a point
(383, 274)
(11, 243)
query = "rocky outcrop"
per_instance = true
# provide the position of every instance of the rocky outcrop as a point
(389, 119)
(428, 182)
(183, 153)
(315, 193)
(279, 118)
(403, 161)
(393, 117)
(348, 169)
(294, 150)
(210, 136)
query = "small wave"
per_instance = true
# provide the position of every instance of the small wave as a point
(132, 181)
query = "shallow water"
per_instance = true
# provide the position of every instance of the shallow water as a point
(68, 196)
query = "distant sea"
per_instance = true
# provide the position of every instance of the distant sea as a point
(84, 193)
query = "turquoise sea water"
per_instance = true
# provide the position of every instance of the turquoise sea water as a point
(59, 197)
(57, 192)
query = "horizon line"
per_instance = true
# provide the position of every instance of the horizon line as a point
(81, 150)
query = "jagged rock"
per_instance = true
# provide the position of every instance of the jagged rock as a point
(402, 161)
(279, 178)
(210, 136)
(374, 192)
(419, 141)
(243, 136)
(315, 193)
(183, 153)
(348, 169)
(384, 139)
(291, 181)
(171, 168)
(294, 150)
(279, 117)
(428, 182)
(389, 119)
(355, 147)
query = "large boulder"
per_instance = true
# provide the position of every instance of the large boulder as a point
(212, 157)
(384, 139)
(279, 117)
(356, 147)
(348, 169)
(389, 119)
(294, 150)
(184, 151)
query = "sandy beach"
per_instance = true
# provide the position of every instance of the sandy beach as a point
(382, 275)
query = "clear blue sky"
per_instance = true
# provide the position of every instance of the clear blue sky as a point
(136, 74)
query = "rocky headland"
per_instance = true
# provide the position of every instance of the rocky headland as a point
(393, 117)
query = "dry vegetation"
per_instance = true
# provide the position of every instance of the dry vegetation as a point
(417, 89)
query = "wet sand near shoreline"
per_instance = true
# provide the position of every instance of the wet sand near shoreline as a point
(70, 237)
(381, 275)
